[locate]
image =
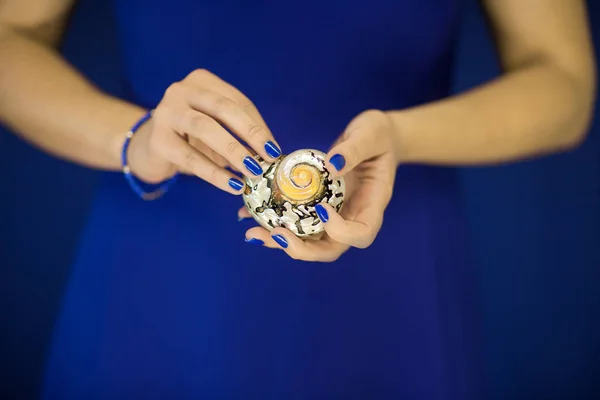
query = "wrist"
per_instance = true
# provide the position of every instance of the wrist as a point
(134, 178)
(397, 137)
(138, 155)
(142, 164)
(126, 118)
(402, 139)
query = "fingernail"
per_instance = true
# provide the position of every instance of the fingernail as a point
(241, 218)
(255, 241)
(322, 213)
(272, 149)
(338, 161)
(252, 165)
(280, 241)
(236, 184)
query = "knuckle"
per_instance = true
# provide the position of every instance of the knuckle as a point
(199, 73)
(373, 117)
(254, 131)
(247, 106)
(189, 159)
(214, 176)
(222, 105)
(380, 120)
(366, 241)
(233, 146)
(195, 120)
(174, 89)
(373, 113)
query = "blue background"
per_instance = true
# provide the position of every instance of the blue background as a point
(536, 227)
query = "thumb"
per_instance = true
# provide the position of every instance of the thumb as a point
(359, 233)
(365, 137)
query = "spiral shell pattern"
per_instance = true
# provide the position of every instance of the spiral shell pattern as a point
(287, 192)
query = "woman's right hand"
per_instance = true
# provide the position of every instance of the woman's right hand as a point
(187, 134)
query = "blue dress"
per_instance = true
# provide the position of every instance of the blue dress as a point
(167, 301)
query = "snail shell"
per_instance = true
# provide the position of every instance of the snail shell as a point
(288, 190)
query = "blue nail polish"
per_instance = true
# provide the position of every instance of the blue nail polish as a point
(280, 241)
(236, 184)
(252, 165)
(272, 149)
(255, 241)
(338, 161)
(322, 213)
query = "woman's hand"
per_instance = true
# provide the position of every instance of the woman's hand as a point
(187, 134)
(364, 155)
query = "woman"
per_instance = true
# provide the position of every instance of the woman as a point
(166, 299)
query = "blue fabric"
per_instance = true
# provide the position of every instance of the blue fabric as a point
(168, 301)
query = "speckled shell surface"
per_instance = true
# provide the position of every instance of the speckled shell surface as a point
(286, 193)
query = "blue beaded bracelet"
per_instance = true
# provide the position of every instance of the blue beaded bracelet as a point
(133, 182)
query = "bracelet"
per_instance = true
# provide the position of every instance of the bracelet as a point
(163, 187)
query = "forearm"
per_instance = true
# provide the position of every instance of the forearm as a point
(530, 112)
(49, 104)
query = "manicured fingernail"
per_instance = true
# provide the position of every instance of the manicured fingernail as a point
(252, 165)
(236, 184)
(338, 161)
(322, 213)
(272, 149)
(255, 241)
(280, 241)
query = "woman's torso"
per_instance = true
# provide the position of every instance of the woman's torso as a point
(167, 299)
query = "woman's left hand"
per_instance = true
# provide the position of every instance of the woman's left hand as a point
(365, 156)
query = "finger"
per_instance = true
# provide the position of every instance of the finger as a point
(208, 152)
(175, 149)
(228, 112)
(260, 234)
(360, 232)
(227, 104)
(243, 213)
(307, 250)
(265, 236)
(363, 139)
(206, 79)
(323, 250)
(206, 129)
(227, 167)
